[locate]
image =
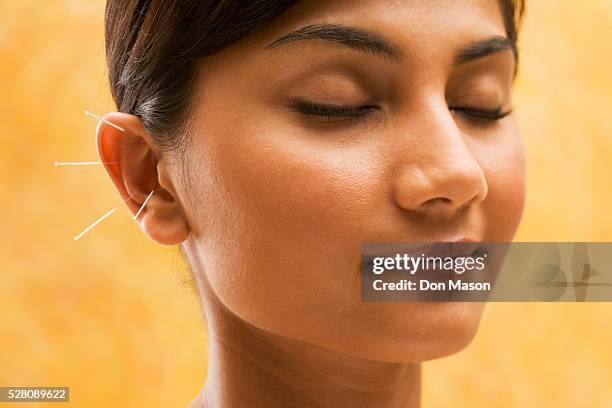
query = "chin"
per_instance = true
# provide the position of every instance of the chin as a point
(410, 332)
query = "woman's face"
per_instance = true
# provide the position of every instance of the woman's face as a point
(282, 190)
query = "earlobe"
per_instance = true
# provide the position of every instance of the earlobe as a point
(131, 159)
(164, 223)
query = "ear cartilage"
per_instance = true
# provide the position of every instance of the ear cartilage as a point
(143, 205)
(93, 115)
(96, 222)
(89, 163)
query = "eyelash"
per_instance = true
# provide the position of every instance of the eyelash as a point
(482, 114)
(335, 113)
(338, 113)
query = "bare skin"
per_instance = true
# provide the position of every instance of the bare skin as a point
(252, 367)
(271, 202)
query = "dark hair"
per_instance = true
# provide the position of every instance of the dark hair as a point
(153, 48)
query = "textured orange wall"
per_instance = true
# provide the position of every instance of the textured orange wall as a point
(112, 317)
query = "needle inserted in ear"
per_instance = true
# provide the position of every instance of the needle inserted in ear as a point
(96, 222)
(93, 115)
(99, 220)
(89, 163)
(143, 205)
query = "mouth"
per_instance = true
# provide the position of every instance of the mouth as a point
(445, 248)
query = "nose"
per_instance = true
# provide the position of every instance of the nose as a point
(440, 174)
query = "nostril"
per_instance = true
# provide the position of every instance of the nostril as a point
(436, 201)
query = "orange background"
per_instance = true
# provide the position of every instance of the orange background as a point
(113, 316)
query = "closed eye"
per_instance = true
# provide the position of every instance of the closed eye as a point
(333, 112)
(337, 113)
(481, 114)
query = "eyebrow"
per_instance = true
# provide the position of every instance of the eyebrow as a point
(372, 43)
(352, 37)
(482, 48)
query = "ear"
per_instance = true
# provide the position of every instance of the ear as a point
(135, 166)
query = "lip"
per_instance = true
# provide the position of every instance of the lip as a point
(455, 247)
(445, 247)
(436, 272)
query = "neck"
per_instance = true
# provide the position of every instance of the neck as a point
(254, 368)
(248, 366)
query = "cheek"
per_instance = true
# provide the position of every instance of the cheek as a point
(284, 241)
(504, 166)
